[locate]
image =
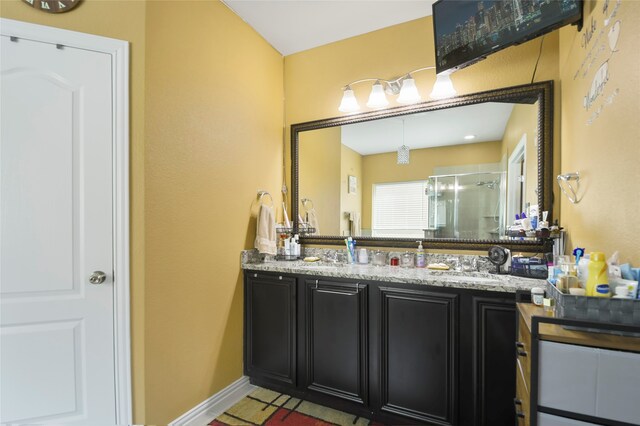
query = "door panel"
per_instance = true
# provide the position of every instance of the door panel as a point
(337, 325)
(270, 327)
(418, 354)
(37, 177)
(56, 219)
(62, 343)
(494, 360)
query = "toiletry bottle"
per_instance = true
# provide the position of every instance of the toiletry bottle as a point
(287, 247)
(421, 260)
(296, 239)
(598, 280)
(583, 271)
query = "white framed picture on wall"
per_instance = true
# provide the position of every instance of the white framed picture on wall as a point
(353, 184)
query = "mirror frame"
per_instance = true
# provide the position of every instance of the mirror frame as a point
(541, 92)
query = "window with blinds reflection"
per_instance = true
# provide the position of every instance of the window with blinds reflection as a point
(400, 209)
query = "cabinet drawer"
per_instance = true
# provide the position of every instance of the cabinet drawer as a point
(521, 403)
(523, 351)
(551, 420)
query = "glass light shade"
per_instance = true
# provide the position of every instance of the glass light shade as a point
(443, 88)
(377, 98)
(403, 154)
(349, 102)
(409, 92)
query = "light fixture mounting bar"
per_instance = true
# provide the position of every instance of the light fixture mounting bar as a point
(391, 86)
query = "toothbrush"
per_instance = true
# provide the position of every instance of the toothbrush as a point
(350, 245)
(346, 242)
(578, 252)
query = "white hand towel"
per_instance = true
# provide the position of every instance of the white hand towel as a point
(266, 230)
(355, 225)
(312, 219)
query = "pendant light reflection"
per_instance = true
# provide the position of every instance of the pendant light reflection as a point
(403, 151)
(377, 98)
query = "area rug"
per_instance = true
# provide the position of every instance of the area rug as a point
(269, 408)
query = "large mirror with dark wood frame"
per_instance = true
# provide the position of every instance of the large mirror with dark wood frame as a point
(453, 173)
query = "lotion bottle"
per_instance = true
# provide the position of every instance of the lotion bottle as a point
(598, 280)
(421, 260)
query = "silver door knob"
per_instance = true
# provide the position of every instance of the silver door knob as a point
(98, 277)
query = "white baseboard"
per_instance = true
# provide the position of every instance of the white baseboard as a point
(217, 404)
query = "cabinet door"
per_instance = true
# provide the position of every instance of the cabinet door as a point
(336, 339)
(494, 360)
(418, 354)
(270, 327)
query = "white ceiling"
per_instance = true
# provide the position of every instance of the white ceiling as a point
(292, 26)
(486, 121)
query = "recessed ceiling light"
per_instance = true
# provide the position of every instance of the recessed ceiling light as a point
(469, 137)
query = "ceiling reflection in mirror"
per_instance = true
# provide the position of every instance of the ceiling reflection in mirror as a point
(469, 170)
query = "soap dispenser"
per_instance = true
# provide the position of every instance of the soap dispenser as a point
(421, 260)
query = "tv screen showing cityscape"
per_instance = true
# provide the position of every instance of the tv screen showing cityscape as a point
(469, 30)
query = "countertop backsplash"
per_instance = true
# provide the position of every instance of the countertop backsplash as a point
(482, 262)
(472, 280)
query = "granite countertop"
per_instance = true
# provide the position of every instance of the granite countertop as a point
(453, 279)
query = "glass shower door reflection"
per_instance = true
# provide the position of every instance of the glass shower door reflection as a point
(467, 206)
(479, 206)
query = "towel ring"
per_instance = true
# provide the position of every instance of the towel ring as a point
(572, 193)
(304, 202)
(262, 194)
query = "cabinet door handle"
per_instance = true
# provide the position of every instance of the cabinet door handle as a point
(520, 349)
(516, 403)
(255, 275)
(337, 292)
(343, 293)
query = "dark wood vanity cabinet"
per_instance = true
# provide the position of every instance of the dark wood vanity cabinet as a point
(270, 327)
(400, 353)
(336, 325)
(494, 336)
(418, 354)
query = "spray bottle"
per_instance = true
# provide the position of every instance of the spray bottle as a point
(421, 260)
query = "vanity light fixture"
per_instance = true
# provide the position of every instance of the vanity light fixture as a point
(377, 98)
(404, 87)
(443, 88)
(470, 137)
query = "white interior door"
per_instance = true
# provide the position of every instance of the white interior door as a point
(56, 229)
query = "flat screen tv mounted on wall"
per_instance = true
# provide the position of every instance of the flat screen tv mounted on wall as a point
(466, 31)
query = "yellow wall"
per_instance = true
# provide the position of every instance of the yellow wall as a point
(214, 137)
(524, 120)
(605, 152)
(350, 165)
(380, 168)
(205, 136)
(314, 78)
(319, 179)
(124, 20)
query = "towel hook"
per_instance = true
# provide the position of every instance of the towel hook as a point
(567, 178)
(262, 194)
(304, 202)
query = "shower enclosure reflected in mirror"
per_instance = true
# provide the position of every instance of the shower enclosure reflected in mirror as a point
(473, 163)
